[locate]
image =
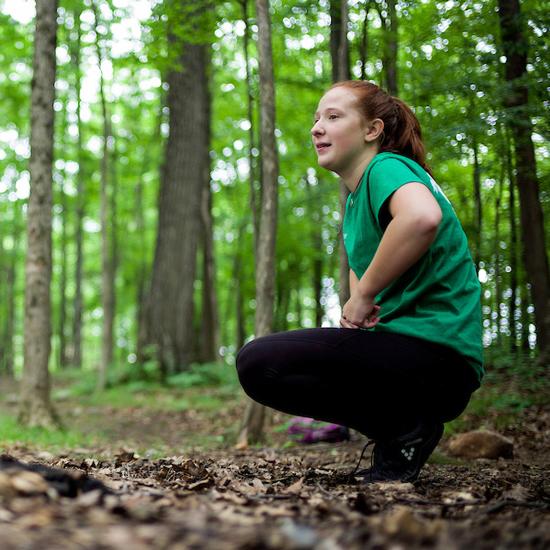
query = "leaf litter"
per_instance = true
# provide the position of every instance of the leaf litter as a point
(300, 497)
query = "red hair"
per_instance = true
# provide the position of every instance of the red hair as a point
(402, 133)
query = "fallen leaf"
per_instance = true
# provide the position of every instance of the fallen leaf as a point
(295, 488)
(29, 483)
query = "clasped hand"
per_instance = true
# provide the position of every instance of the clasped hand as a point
(359, 312)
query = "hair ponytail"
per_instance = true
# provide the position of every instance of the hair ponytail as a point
(402, 133)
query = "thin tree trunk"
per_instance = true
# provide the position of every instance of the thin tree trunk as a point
(339, 51)
(498, 278)
(478, 206)
(364, 44)
(114, 249)
(299, 308)
(62, 355)
(516, 102)
(391, 52)
(210, 322)
(317, 247)
(107, 270)
(240, 333)
(513, 248)
(11, 278)
(76, 358)
(252, 430)
(143, 339)
(254, 202)
(35, 406)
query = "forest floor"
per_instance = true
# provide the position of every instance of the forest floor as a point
(178, 482)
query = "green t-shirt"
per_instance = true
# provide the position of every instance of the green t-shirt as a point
(438, 298)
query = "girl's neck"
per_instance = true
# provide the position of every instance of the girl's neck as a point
(352, 177)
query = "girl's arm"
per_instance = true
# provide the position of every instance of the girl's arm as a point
(416, 216)
(353, 280)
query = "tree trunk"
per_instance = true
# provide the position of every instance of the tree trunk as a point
(76, 356)
(254, 202)
(317, 247)
(364, 44)
(478, 206)
(339, 51)
(142, 314)
(107, 268)
(252, 430)
(240, 332)
(170, 303)
(390, 62)
(498, 278)
(210, 328)
(513, 309)
(11, 273)
(62, 354)
(35, 405)
(519, 121)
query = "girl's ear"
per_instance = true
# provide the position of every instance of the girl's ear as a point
(374, 130)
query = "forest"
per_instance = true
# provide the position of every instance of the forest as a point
(161, 205)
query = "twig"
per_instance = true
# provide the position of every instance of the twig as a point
(508, 502)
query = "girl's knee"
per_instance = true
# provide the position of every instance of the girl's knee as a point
(248, 364)
(254, 370)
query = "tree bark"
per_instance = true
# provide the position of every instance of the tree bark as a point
(317, 247)
(339, 51)
(252, 430)
(61, 330)
(143, 311)
(35, 406)
(107, 268)
(240, 330)
(478, 205)
(390, 62)
(498, 278)
(210, 327)
(76, 356)
(516, 103)
(254, 202)
(10, 272)
(364, 44)
(170, 302)
(513, 309)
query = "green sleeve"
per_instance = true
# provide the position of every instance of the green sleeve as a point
(386, 177)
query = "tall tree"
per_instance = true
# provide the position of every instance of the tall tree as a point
(516, 102)
(75, 49)
(265, 265)
(339, 53)
(390, 54)
(364, 42)
(35, 405)
(170, 302)
(107, 260)
(7, 348)
(254, 202)
(210, 332)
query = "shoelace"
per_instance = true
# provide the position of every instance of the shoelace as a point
(367, 444)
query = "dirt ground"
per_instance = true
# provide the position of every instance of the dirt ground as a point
(299, 497)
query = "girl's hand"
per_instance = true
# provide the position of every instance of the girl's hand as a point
(359, 312)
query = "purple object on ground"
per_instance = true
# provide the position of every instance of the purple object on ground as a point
(308, 430)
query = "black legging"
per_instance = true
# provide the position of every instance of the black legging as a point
(379, 383)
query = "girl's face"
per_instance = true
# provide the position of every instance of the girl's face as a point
(340, 133)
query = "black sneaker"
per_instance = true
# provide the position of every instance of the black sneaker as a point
(402, 458)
